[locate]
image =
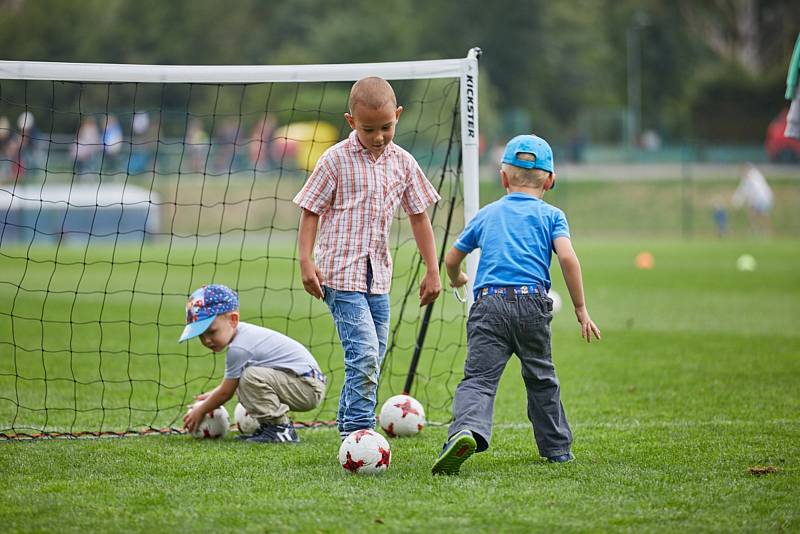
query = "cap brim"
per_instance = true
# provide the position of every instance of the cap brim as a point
(196, 328)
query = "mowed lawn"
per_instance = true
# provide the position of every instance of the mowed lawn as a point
(693, 386)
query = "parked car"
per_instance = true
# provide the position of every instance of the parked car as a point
(781, 149)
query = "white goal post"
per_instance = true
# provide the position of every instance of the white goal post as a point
(125, 187)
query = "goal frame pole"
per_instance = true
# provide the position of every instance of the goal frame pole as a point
(470, 145)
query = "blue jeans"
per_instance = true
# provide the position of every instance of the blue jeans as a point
(362, 321)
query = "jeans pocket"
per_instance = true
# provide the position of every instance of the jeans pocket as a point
(329, 297)
(534, 310)
(489, 309)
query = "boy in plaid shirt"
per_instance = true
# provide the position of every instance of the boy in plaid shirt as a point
(351, 196)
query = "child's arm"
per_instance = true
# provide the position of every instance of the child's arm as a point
(571, 269)
(452, 263)
(306, 236)
(431, 284)
(210, 402)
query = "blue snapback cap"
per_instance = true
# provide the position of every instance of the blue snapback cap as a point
(529, 144)
(203, 307)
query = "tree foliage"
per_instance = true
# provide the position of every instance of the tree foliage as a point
(550, 62)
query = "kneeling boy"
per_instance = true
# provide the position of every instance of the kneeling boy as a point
(270, 372)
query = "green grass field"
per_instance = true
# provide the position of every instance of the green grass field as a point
(694, 383)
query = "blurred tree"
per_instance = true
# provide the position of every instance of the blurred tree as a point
(739, 90)
(550, 63)
(747, 33)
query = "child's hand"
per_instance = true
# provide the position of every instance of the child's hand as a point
(193, 418)
(460, 281)
(202, 396)
(312, 279)
(587, 325)
(429, 288)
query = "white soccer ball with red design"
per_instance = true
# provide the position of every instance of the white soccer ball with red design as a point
(402, 415)
(556, 298)
(365, 452)
(244, 421)
(213, 425)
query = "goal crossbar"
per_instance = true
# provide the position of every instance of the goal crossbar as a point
(132, 73)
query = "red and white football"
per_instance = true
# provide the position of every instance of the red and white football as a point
(402, 415)
(365, 452)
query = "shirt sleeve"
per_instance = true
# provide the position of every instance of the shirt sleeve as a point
(470, 238)
(419, 192)
(318, 192)
(235, 361)
(560, 226)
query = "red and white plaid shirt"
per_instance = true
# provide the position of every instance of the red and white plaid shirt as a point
(356, 196)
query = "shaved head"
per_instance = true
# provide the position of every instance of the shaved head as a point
(372, 92)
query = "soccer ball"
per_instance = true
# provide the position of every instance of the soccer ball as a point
(746, 263)
(246, 423)
(402, 415)
(213, 425)
(365, 452)
(556, 298)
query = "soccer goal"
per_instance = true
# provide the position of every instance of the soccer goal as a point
(125, 187)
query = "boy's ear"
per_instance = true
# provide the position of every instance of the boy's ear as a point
(234, 316)
(397, 113)
(550, 182)
(350, 121)
(504, 179)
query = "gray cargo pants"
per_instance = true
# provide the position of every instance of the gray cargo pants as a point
(498, 326)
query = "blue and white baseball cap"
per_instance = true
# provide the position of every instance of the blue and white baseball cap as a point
(529, 144)
(203, 307)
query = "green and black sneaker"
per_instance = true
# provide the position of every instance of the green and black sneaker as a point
(457, 449)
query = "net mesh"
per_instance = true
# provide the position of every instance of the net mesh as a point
(119, 199)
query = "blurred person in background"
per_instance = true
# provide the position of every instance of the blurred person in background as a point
(22, 144)
(720, 215)
(755, 193)
(112, 143)
(87, 146)
(258, 146)
(225, 145)
(196, 145)
(141, 149)
(5, 143)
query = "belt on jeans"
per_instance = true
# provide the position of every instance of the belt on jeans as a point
(516, 290)
(315, 373)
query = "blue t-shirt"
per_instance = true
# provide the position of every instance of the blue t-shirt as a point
(515, 235)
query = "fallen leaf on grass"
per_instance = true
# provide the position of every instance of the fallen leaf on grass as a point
(759, 470)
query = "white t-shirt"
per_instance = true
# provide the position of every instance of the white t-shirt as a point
(753, 190)
(262, 347)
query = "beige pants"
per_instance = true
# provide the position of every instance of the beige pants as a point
(267, 394)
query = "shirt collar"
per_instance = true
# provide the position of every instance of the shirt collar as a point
(521, 196)
(356, 146)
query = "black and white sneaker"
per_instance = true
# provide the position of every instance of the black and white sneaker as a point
(275, 434)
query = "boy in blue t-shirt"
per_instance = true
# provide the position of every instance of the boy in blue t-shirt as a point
(512, 312)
